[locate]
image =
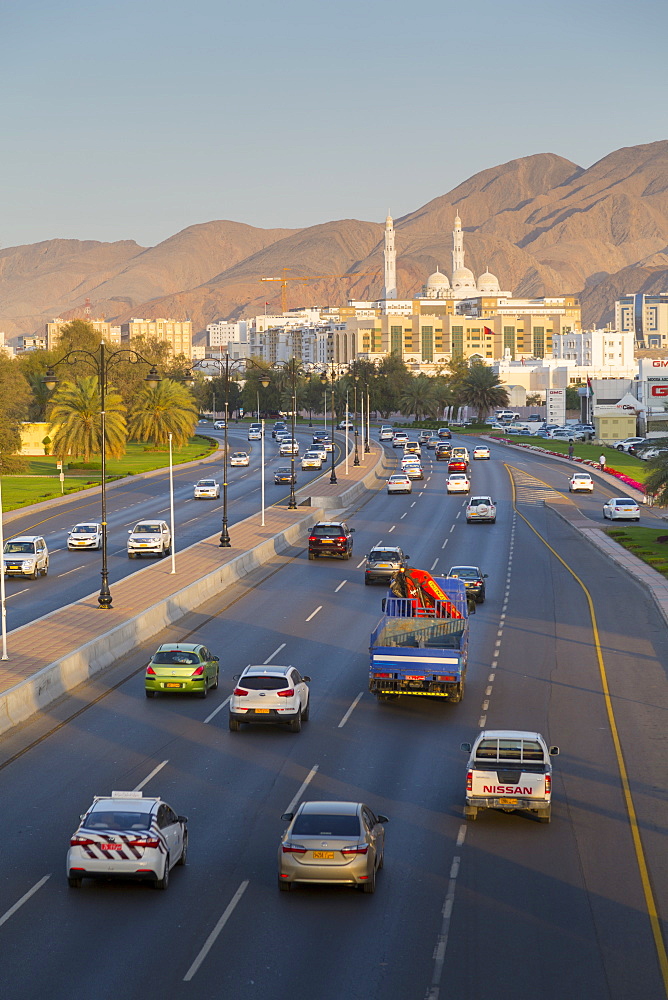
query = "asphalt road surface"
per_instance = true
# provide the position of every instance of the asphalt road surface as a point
(502, 908)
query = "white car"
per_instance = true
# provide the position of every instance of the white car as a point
(414, 470)
(412, 448)
(149, 538)
(621, 508)
(509, 770)
(219, 425)
(26, 555)
(345, 425)
(270, 695)
(581, 482)
(87, 535)
(239, 458)
(481, 451)
(386, 433)
(626, 443)
(289, 447)
(481, 509)
(312, 460)
(399, 483)
(320, 450)
(255, 432)
(127, 835)
(206, 489)
(282, 434)
(399, 440)
(458, 482)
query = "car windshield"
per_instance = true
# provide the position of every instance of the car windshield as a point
(316, 825)
(263, 683)
(283, 472)
(147, 529)
(12, 548)
(107, 819)
(178, 656)
(378, 555)
(206, 482)
(84, 529)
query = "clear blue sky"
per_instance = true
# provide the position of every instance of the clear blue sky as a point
(137, 118)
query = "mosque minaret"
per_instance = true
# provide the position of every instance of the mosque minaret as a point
(390, 255)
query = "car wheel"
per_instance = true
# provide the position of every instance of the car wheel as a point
(235, 725)
(184, 852)
(215, 683)
(307, 710)
(620, 447)
(74, 882)
(480, 599)
(131, 555)
(311, 556)
(45, 570)
(348, 555)
(544, 815)
(295, 725)
(370, 884)
(367, 582)
(150, 694)
(204, 692)
(381, 860)
(493, 520)
(285, 886)
(470, 812)
(162, 883)
(458, 693)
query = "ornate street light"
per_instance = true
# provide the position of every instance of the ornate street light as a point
(100, 364)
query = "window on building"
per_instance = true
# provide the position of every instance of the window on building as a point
(539, 341)
(396, 340)
(457, 341)
(427, 343)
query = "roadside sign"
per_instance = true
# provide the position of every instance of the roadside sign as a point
(556, 406)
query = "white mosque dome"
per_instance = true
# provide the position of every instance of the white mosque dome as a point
(488, 284)
(438, 280)
(463, 278)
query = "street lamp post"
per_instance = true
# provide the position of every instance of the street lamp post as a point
(224, 367)
(294, 370)
(367, 446)
(100, 365)
(357, 456)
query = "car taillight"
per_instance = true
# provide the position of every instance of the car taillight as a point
(239, 692)
(469, 781)
(288, 693)
(289, 848)
(548, 784)
(341, 538)
(312, 538)
(382, 675)
(198, 671)
(355, 849)
(143, 843)
(150, 670)
(80, 841)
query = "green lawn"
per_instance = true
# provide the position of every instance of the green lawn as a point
(644, 543)
(42, 480)
(632, 467)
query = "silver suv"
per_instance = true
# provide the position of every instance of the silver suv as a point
(149, 538)
(383, 562)
(26, 555)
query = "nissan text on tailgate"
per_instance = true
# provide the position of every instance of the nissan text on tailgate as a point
(509, 770)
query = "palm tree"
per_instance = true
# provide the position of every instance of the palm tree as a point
(419, 398)
(169, 408)
(482, 389)
(75, 420)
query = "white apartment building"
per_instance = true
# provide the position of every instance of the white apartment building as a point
(644, 316)
(600, 349)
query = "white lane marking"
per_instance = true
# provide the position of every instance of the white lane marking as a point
(360, 564)
(485, 706)
(24, 899)
(302, 788)
(16, 594)
(67, 572)
(442, 940)
(272, 655)
(433, 566)
(481, 721)
(392, 528)
(148, 777)
(162, 511)
(314, 613)
(342, 584)
(452, 528)
(208, 944)
(457, 514)
(444, 543)
(350, 711)
(191, 520)
(461, 835)
(403, 515)
(414, 502)
(217, 710)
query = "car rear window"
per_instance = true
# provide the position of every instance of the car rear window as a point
(316, 825)
(264, 683)
(330, 531)
(378, 554)
(177, 656)
(510, 749)
(105, 819)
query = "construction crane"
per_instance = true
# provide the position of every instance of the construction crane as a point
(316, 277)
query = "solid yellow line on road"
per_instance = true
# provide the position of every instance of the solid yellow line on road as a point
(650, 902)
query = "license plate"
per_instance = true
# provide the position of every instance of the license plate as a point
(262, 711)
(323, 855)
(410, 677)
(172, 684)
(143, 545)
(109, 847)
(508, 802)
(327, 541)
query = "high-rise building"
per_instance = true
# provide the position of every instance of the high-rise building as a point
(646, 317)
(112, 334)
(177, 333)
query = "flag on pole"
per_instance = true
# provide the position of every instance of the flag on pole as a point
(590, 390)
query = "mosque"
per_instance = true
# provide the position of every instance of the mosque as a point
(461, 285)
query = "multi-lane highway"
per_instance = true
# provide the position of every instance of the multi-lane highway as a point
(73, 575)
(504, 907)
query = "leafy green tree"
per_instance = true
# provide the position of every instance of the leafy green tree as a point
(76, 421)
(15, 399)
(169, 408)
(419, 398)
(657, 480)
(130, 376)
(573, 397)
(482, 390)
(390, 382)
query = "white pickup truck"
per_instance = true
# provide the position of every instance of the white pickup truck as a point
(509, 770)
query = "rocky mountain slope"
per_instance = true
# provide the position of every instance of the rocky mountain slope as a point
(541, 223)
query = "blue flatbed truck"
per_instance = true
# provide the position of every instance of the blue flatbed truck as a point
(417, 650)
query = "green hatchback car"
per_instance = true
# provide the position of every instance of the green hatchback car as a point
(181, 668)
